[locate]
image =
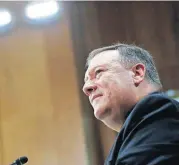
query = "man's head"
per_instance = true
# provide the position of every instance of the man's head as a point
(117, 77)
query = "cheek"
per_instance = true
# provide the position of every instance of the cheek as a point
(114, 82)
(109, 85)
(104, 83)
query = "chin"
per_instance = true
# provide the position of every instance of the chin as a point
(100, 114)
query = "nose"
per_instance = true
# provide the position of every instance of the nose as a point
(88, 88)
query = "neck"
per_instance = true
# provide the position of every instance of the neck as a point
(144, 89)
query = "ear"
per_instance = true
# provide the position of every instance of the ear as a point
(138, 71)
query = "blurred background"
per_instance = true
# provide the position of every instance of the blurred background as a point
(43, 47)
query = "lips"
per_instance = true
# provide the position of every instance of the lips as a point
(94, 97)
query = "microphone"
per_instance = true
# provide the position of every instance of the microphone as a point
(20, 161)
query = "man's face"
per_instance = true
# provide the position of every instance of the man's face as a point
(109, 87)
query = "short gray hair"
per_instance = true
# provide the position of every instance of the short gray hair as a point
(130, 55)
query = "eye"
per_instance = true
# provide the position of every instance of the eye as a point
(98, 72)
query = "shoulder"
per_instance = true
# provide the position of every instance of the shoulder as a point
(153, 104)
(151, 129)
(153, 108)
(156, 98)
(150, 132)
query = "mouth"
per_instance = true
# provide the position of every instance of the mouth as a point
(95, 96)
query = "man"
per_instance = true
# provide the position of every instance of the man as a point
(125, 92)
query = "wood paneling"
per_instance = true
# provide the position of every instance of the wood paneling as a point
(39, 103)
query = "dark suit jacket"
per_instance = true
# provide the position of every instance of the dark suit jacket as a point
(150, 134)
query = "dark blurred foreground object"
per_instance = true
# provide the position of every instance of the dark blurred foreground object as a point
(20, 161)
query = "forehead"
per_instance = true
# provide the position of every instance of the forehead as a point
(103, 58)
